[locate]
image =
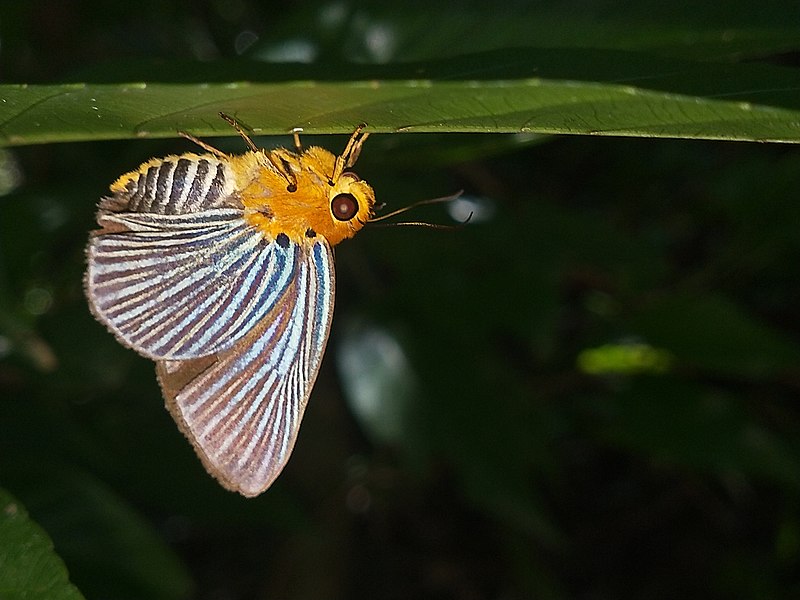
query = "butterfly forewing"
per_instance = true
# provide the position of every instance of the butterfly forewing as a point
(184, 286)
(242, 410)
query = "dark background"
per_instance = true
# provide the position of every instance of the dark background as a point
(498, 460)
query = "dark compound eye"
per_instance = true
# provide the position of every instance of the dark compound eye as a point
(344, 207)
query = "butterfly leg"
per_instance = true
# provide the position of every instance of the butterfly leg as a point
(240, 130)
(298, 145)
(207, 147)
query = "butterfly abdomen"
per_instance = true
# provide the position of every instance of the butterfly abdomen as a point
(175, 185)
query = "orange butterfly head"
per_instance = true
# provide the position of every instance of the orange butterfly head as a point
(305, 194)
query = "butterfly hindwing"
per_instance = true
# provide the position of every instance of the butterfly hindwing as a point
(242, 409)
(184, 286)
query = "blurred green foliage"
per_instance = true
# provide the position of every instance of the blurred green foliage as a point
(29, 567)
(512, 470)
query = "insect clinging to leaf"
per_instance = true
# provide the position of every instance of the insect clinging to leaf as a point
(220, 269)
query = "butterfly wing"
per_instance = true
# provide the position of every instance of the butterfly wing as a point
(241, 409)
(184, 286)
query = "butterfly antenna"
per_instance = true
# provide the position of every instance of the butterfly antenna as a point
(351, 151)
(424, 224)
(400, 211)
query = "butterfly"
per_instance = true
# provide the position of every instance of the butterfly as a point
(220, 269)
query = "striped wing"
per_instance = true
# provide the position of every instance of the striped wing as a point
(182, 286)
(241, 409)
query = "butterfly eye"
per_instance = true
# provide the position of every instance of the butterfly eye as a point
(344, 207)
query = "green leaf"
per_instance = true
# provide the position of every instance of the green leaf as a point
(29, 568)
(710, 332)
(113, 551)
(679, 423)
(526, 90)
(705, 30)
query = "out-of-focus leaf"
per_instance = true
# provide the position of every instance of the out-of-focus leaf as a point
(377, 380)
(624, 358)
(710, 332)
(114, 550)
(707, 30)
(29, 568)
(679, 424)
